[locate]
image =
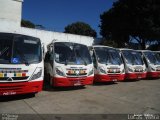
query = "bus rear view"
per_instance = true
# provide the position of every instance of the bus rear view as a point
(108, 64)
(68, 64)
(134, 64)
(152, 60)
(21, 64)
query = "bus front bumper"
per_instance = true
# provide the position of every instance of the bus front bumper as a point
(153, 74)
(20, 88)
(72, 81)
(135, 76)
(108, 77)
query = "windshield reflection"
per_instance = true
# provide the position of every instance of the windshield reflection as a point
(133, 57)
(72, 53)
(153, 58)
(108, 56)
(19, 49)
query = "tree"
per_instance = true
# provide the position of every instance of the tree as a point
(80, 28)
(110, 43)
(27, 23)
(132, 20)
(41, 27)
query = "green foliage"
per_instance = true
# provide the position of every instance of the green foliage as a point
(154, 47)
(110, 43)
(138, 19)
(27, 23)
(80, 28)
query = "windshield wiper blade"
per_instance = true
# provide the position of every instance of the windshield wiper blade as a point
(3, 51)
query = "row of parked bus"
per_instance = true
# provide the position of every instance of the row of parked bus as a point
(23, 65)
(70, 64)
(113, 64)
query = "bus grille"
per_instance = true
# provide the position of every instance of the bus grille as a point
(13, 78)
(81, 80)
(3, 78)
(113, 76)
(76, 74)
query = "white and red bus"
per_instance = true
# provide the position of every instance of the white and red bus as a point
(21, 64)
(68, 64)
(134, 65)
(152, 61)
(108, 64)
(158, 52)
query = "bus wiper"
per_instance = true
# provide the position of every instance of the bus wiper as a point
(23, 57)
(3, 51)
(33, 61)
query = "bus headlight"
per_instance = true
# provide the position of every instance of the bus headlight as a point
(91, 72)
(130, 70)
(102, 70)
(37, 73)
(123, 71)
(59, 72)
(153, 69)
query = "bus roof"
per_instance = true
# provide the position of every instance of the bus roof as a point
(125, 49)
(103, 46)
(146, 51)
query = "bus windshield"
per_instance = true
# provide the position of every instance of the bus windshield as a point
(19, 49)
(71, 53)
(133, 57)
(153, 58)
(108, 56)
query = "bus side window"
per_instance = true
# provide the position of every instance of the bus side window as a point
(51, 57)
(94, 60)
(123, 60)
(47, 57)
(51, 53)
(145, 62)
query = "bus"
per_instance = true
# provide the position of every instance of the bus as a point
(68, 64)
(152, 61)
(21, 64)
(108, 64)
(134, 65)
(158, 52)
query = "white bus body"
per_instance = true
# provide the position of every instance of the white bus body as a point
(68, 64)
(21, 64)
(134, 65)
(152, 61)
(108, 64)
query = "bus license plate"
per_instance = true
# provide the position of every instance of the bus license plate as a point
(114, 80)
(9, 93)
(77, 83)
(139, 76)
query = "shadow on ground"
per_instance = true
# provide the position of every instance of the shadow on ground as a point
(47, 87)
(103, 83)
(15, 97)
(131, 80)
(151, 79)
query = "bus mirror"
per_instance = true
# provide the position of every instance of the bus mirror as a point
(43, 50)
(91, 53)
